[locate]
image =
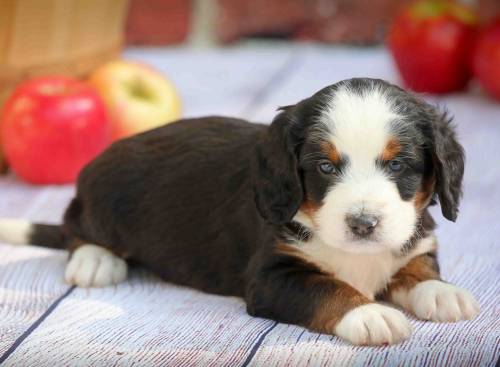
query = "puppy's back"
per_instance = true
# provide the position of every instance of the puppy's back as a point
(178, 194)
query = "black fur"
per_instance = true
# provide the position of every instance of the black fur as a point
(47, 235)
(277, 186)
(280, 274)
(449, 161)
(178, 200)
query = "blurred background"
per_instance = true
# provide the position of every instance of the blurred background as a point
(153, 61)
(358, 22)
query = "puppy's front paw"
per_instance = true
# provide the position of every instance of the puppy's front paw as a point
(373, 324)
(94, 266)
(438, 301)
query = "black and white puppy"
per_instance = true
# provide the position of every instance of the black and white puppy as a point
(312, 220)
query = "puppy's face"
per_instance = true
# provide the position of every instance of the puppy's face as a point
(368, 158)
(363, 172)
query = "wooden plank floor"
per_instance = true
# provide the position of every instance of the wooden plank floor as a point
(145, 322)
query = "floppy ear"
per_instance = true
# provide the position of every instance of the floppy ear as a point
(448, 161)
(277, 186)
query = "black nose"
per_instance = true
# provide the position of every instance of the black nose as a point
(362, 225)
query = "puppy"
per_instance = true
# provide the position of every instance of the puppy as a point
(312, 220)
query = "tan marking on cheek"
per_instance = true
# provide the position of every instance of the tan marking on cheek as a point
(331, 152)
(310, 209)
(283, 248)
(424, 195)
(391, 150)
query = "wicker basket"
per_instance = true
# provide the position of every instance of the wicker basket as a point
(64, 37)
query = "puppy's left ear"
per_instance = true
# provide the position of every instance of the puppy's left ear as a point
(277, 185)
(448, 161)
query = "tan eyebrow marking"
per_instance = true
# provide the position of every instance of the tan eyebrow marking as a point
(391, 150)
(331, 152)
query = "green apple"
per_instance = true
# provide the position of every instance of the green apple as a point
(137, 97)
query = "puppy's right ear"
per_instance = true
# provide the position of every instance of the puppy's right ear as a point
(448, 159)
(277, 186)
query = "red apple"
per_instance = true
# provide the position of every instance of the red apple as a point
(138, 97)
(487, 58)
(432, 43)
(51, 127)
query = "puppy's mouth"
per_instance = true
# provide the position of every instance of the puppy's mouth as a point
(364, 242)
(349, 242)
(363, 245)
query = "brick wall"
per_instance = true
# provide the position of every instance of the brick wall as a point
(160, 22)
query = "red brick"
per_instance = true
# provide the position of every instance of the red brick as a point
(323, 20)
(158, 22)
(240, 18)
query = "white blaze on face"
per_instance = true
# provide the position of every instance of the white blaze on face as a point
(360, 128)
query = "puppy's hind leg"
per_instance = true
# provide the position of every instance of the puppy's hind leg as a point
(94, 266)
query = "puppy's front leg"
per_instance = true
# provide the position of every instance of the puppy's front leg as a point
(418, 288)
(290, 290)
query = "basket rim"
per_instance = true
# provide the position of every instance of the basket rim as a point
(12, 75)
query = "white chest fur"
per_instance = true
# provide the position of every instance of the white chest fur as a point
(369, 273)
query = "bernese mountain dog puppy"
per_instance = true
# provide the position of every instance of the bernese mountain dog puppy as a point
(320, 219)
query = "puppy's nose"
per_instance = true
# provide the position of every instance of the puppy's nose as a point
(362, 225)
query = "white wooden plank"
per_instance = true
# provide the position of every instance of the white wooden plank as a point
(143, 322)
(216, 81)
(321, 66)
(44, 203)
(30, 278)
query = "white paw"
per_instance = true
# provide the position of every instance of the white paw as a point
(373, 324)
(439, 301)
(94, 266)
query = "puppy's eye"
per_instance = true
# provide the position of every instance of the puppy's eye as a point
(326, 167)
(395, 166)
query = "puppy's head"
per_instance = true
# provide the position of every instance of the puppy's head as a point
(357, 163)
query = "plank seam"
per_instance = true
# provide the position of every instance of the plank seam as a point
(257, 344)
(35, 325)
(276, 80)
